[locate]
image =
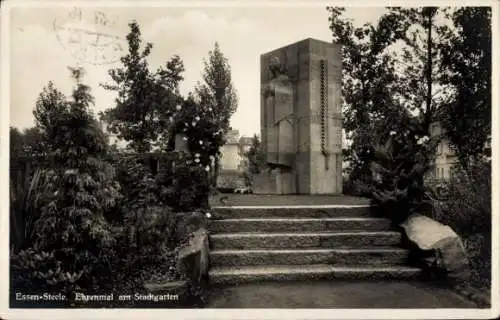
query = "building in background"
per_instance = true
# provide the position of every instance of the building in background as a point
(446, 159)
(232, 160)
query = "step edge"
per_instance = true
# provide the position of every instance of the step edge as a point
(277, 234)
(280, 269)
(280, 219)
(297, 251)
(313, 206)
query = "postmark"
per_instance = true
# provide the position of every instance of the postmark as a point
(90, 36)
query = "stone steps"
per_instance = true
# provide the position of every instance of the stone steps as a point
(231, 275)
(304, 243)
(259, 257)
(299, 224)
(294, 211)
(354, 239)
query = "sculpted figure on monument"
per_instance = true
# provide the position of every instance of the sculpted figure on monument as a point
(277, 77)
(277, 109)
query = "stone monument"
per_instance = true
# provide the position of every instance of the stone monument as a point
(301, 119)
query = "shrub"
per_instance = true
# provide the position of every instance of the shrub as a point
(72, 236)
(465, 200)
(357, 187)
(191, 187)
(464, 203)
(398, 173)
(34, 271)
(149, 238)
(26, 201)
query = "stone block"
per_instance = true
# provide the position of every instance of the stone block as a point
(276, 181)
(193, 258)
(443, 248)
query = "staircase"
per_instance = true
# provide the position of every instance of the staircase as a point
(304, 243)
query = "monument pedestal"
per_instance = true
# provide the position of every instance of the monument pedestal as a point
(277, 181)
(301, 119)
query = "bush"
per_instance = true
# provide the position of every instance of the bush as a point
(38, 270)
(149, 238)
(26, 201)
(464, 203)
(398, 173)
(191, 188)
(72, 239)
(357, 187)
(465, 200)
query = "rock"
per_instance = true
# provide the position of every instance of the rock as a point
(193, 258)
(172, 287)
(171, 294)
(430, 237)
(189, 222)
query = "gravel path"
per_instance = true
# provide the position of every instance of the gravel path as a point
(336, 294)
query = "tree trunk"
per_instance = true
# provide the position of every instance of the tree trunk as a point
(428, 73)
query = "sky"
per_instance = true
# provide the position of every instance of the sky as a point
(41, 52)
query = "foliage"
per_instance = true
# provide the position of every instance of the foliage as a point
(466, 203)
(146, 100)
(398, 170)
(26, 201)
(357, 186)
(419, 31)
(466, 207)
(191, 187)
(217, 90)
(16, 142)
(369, 78)
(217, 95)
(254, 160)
(386, 116)
(399, 75)
(36, 142)
(149, 236)
(467, 64)
(50, 109)
(34, 269)
(72, 236)
(202, 130)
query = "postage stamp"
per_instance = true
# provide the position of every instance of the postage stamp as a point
(88, 35)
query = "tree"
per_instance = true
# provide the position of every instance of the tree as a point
(419, 61)
(467, 65)
(368, 78)
(145, 100)
(16, 142)
(72, 237)
(30, 142)
(255, 159)
(35, 143)
(408, 43)
(217, 95)
(50, 106)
